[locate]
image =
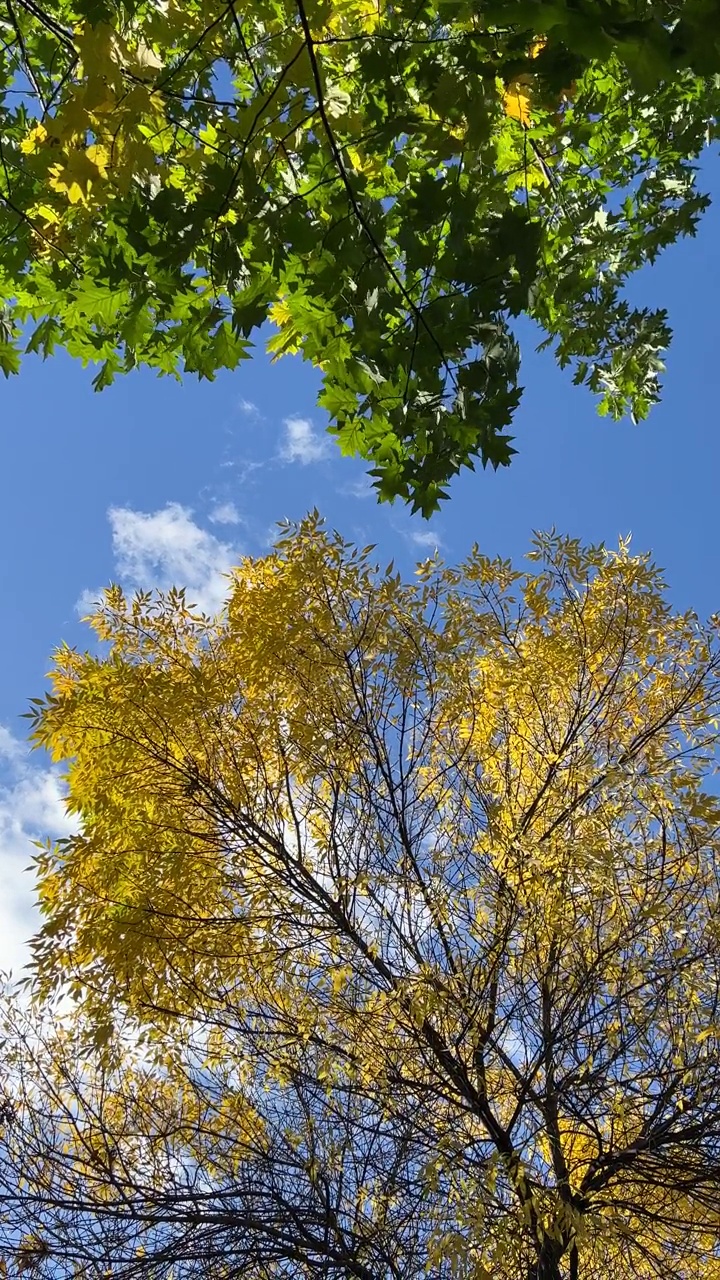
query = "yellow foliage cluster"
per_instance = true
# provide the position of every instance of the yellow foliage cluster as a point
(445, 848)
(101, 131)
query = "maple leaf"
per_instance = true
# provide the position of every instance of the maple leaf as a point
(34, 139)
(517, 99)
(80, 170)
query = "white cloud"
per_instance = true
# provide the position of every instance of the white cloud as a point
(167, 548)
(302, 443)
(31, 808)
(225, 513)
(10, 748)
(88, 601)
(359, 488)
(247, 406)
(425, 538)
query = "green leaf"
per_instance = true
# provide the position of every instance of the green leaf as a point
(9, 358)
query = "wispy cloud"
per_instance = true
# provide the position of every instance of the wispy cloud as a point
(165, 548)
(32, 808)
(225, 513)
(426, 539)
(359, 488)
(302, 443)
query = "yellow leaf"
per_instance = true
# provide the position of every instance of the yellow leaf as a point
(353, 15)
(34, 140)
(287, 341)
(99, 97)
(100, 157)
(516, 101)
(71, 124)
(146, 59)
(49, 216)
(76, 176)
(517, 97)
(279, 313)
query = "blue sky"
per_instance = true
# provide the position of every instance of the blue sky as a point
(154, 481)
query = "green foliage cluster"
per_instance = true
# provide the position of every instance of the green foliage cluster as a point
(392, 182)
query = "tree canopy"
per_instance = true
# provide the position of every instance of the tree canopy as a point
(391, 182)
(391, 925)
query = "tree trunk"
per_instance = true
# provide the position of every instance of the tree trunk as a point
(547, 1266)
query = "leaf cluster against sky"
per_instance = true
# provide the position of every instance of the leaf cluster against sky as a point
(393, 184)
